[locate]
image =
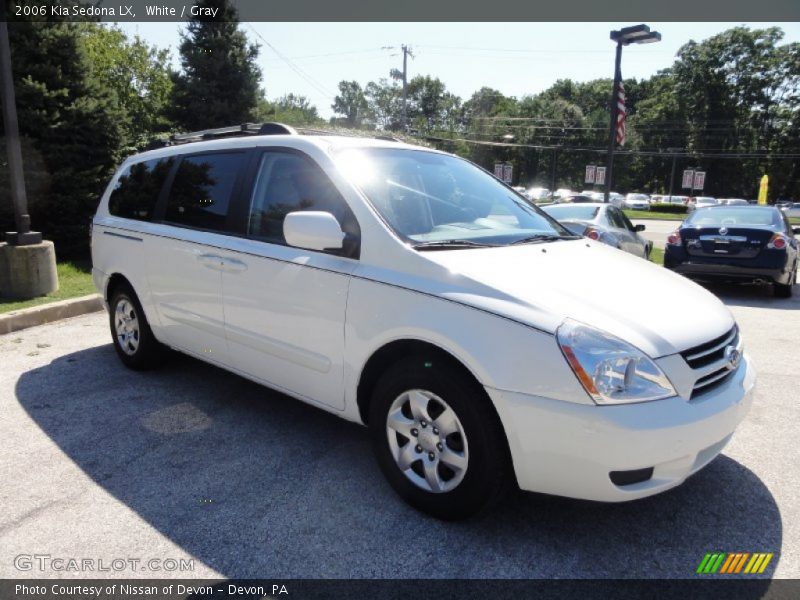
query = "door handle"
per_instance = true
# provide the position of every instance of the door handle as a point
(212, 261)
(233, 265)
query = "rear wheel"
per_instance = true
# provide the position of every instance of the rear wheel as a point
(133, 339)
(438, 440)
(784, 290)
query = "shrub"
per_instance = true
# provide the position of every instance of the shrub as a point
(666, 207)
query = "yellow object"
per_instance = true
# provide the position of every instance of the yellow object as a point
(762, 190)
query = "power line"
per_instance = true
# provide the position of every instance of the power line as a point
(310, 80)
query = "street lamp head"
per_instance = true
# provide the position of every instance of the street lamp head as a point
(636, 34)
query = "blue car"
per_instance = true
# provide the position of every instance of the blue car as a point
(748, 244)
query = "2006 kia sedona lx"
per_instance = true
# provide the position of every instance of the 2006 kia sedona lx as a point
(409, 290)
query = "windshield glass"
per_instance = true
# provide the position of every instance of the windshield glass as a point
(563, 212)
(734, 215)
(430, 197)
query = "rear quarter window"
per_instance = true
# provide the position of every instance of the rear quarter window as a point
(136, 192)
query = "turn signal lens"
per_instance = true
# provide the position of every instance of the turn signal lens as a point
(778, 242)
(674, 238)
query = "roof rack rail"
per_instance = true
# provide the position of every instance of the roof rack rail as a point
(246, 129)
(223, 132)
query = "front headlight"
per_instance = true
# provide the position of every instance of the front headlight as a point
(610, 370)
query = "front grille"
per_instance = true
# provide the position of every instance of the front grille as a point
(707, 354)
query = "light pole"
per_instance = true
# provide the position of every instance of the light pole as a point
(636, 34)
(27, 264)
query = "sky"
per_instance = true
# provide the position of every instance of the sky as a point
(518, 59)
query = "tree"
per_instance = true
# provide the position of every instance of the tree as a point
(384, 103)
(139, 76)
(290, 109)
(219, 84)
(430, 106)
(351, 104)
(71, 127)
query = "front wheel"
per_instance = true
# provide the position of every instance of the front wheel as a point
(438, 440)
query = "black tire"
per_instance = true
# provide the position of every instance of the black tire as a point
(782, 290)
(488, 475)
(143, 350)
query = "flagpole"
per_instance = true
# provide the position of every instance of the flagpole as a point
(612, 130)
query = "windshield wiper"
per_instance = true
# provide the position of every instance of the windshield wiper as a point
(544, 237)
(451, 245)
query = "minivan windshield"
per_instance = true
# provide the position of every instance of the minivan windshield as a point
(436, 200)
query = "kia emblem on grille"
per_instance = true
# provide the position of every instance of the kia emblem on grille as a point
(723, 230)
(733, 356)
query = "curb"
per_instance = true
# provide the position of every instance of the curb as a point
(46, 313)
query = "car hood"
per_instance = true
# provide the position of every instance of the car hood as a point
(542, 284)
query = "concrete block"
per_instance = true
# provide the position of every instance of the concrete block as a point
(27, 271)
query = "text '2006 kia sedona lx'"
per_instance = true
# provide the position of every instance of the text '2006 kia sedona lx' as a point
(409, 290)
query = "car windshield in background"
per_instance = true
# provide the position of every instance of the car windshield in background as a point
(575, 212)
(436, 200)
(735, 215)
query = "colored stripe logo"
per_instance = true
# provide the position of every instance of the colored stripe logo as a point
(731, 563)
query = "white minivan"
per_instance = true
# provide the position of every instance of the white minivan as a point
(409, 290)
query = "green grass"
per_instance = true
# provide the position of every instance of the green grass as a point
(74, 279)
(657, 256)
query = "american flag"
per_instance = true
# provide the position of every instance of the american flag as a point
(621, 114)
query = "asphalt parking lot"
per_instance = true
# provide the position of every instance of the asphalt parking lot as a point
(192, 462)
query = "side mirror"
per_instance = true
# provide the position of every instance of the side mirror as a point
(638, 227)
(313, 230)
(795, 229)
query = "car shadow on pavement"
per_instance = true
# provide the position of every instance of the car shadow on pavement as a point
(253, 483)
(753, 295)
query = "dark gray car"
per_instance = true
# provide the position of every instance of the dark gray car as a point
(604, 223)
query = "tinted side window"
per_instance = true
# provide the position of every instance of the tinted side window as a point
(286, 183)
(628, 225)
(137, 189)
(201, 193)
(615, 217)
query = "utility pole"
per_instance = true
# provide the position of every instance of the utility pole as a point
(672, 173)
(27, 264)
(396, 74)
(612, 133)
(23, 235)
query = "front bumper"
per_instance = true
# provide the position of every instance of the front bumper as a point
(570, 449)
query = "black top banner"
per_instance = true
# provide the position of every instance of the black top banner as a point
(143, 11)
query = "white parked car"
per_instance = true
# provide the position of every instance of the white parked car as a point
(637, 202)
(409, 290)
(792, 210)
(702, 202)
(615, 199)
(538, 194)
(676, 199)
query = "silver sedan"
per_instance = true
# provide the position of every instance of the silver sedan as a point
(604, 223)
